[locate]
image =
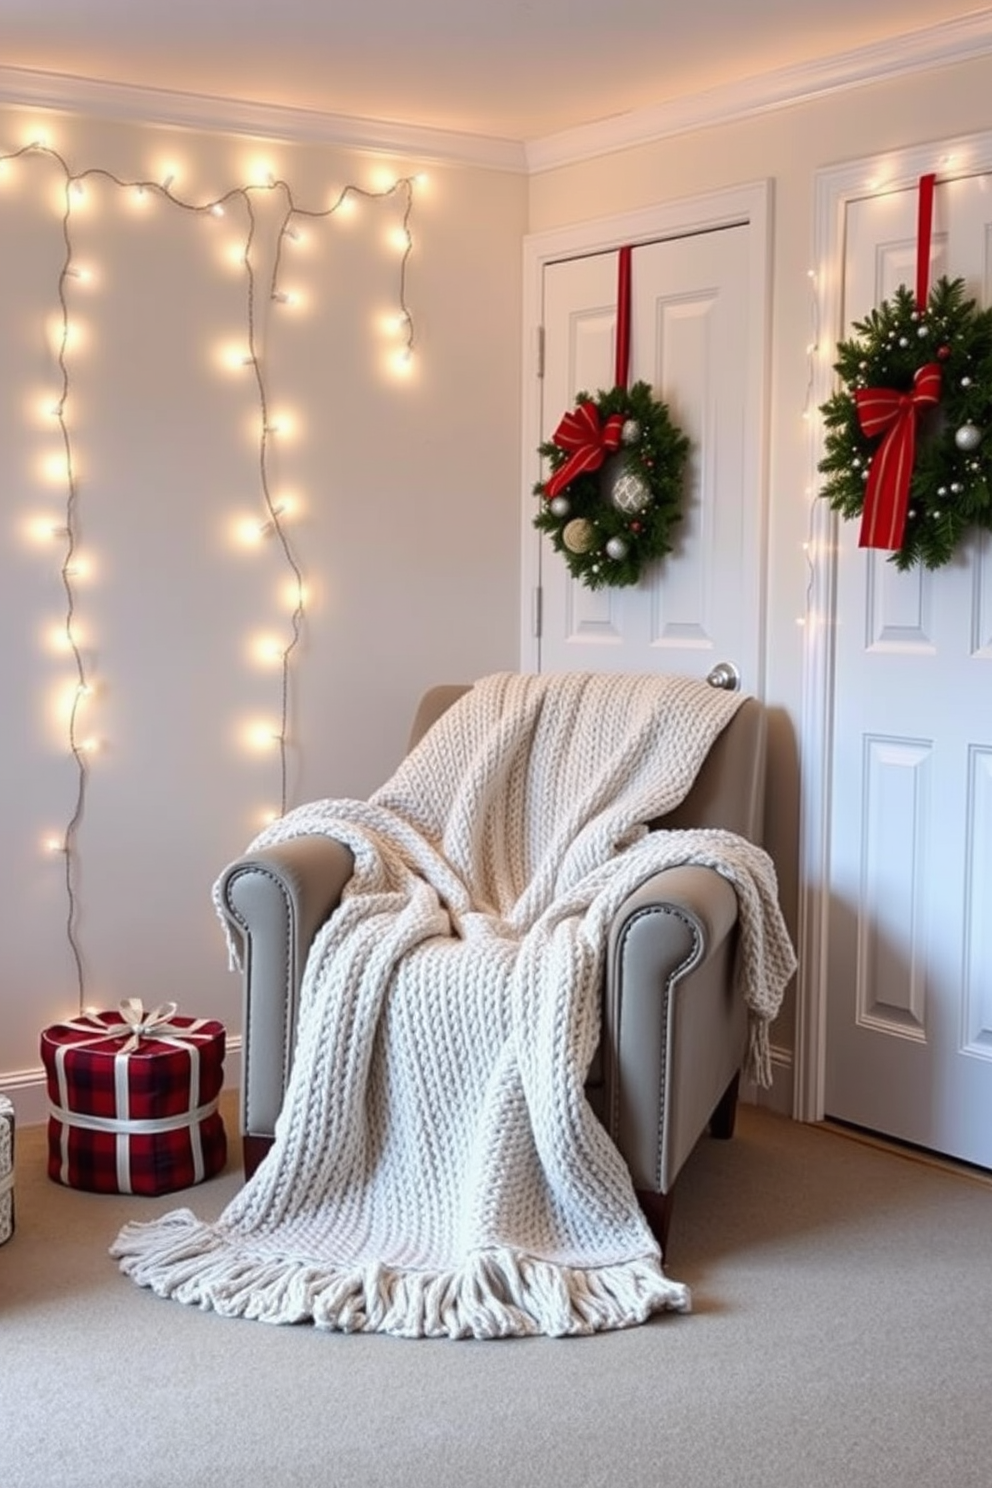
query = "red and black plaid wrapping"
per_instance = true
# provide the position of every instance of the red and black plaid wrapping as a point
(170, 1134)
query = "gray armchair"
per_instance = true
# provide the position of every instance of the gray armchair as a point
(673, 1030)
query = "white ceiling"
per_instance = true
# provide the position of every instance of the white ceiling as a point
(508, 69)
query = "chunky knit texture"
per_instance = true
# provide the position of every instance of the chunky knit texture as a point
(437, 1170)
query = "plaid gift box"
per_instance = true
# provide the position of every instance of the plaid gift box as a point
(6, 1169)
(133, 1100)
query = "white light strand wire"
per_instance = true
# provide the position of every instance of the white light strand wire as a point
(74, 183)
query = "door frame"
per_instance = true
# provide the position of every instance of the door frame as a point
(835, 188)
(749, 205)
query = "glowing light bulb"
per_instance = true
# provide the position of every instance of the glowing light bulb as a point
(43, 530)
(294, 595)
(347, 206)
(401, 362)
(217, 209)
(261, 736)
(283, 424)
(61, 640)
(399, 239)
(44, 407)
(267, 650)
(235, 358)
(55, 469)
(66, 335)
(261, 172)
(54, 845)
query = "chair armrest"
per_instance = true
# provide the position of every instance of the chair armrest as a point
(274, 901)
(670, 1005)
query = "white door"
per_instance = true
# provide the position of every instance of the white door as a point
(909, 943)
(697, 339)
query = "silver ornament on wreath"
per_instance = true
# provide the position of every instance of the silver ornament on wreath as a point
(560, 506)
(626, 490)
(968, 437)
(616, 548)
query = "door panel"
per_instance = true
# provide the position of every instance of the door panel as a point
(691, 339)
(909, 1008)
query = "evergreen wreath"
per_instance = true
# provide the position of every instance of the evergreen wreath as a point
(616, 483)
(897, 350)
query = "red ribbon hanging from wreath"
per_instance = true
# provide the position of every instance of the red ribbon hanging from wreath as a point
(884, 411)
(895, 414)
(580, 431)
(623, 316)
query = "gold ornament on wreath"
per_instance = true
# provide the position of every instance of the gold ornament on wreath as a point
(616, 485)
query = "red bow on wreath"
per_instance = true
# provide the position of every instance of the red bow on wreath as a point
(581, 432)
(894, 414)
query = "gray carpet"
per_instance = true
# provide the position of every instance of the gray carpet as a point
(842, 1335)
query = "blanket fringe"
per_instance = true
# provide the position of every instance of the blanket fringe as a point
(758, 1059)
(498, 1293)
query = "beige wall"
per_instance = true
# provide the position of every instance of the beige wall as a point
(787, 146)
(407, 532)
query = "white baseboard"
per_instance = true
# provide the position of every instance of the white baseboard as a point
(26, 1088)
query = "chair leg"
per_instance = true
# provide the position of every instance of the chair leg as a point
(253, 1149)
(657, 1210)
(725, 1115)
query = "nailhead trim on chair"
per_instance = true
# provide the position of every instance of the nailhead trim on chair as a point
(286, 960)
(684, 966)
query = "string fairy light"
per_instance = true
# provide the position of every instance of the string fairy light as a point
(142, 193)
(812, 352)
(820, 543)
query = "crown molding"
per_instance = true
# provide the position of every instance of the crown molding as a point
(942, 45)
(27, 87)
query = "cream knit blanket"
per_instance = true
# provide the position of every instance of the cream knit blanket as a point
(437, 1170)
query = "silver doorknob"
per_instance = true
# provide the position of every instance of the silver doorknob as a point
(725, 675)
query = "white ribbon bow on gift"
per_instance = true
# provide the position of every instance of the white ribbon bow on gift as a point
(138, 1024)
(143, 1025)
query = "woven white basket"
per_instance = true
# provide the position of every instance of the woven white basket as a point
(6, 1169)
